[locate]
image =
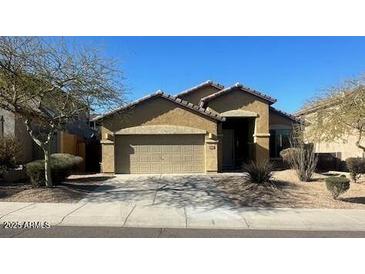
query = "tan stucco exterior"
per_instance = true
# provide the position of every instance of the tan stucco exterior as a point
(196, 95)
(14, 126)
(108, 159)
(279, 121)
(237, 99)
(342, 148)
(156, 111)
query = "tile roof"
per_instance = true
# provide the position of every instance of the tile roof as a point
(241, 87)
(321, 105)
(204, 84)
(285, 114)
(170, 98)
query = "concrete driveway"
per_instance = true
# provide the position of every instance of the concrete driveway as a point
(165, 190)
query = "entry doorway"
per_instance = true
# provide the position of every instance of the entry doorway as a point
(238, 142)
(228, 148)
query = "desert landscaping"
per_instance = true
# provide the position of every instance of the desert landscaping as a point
(72, 190)
(288, 192)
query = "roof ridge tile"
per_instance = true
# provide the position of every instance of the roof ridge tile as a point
(243, 88)
(208, 82)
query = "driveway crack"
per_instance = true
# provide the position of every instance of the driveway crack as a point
(186, 218)
(158, 189)
(154, 197)
(129, 214)
(68, 214)
(16, 210)
(245, 221)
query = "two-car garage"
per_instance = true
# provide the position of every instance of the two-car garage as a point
(160, 153)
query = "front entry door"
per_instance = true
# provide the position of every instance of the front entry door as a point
(228, 148)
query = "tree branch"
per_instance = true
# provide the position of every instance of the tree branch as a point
(31, 133)
(359, 140)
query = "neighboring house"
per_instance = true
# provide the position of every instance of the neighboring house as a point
(72, 141)
(341, 149)
(207, 128)
(13, 125)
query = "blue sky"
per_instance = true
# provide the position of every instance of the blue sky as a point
(290, 69)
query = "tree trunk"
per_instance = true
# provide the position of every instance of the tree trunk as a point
(359, 141)
(47, 165)
(46, 147)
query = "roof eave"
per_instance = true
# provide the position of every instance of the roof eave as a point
(171, 98)
(285, 114)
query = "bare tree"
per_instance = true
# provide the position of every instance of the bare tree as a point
(301, 155)
(339, 112)
(51, 84)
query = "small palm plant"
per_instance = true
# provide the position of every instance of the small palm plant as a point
(258, 172)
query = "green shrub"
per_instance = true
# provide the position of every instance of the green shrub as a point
(356, 166)
(258, 173)
(35, 171)
(62, 165)
(337, 185)
(9, 152)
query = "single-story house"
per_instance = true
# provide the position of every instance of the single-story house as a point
(206, 129)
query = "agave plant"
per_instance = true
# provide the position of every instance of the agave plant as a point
(258, 172)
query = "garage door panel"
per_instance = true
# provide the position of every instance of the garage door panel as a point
(176, 158)
(155, 168)
(196, 169)
(167, 169)
(145, 158)
(155, 157)
(176, 149)
(156, 149)
(198, 157)
(160, 154)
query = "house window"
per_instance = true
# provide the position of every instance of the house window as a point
(2, 127)
(279, 140)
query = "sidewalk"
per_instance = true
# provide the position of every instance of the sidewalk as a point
(121, 214)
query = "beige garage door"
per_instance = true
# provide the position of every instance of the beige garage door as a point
(138, 154)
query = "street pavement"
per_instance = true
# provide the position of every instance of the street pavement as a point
(137, 232)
